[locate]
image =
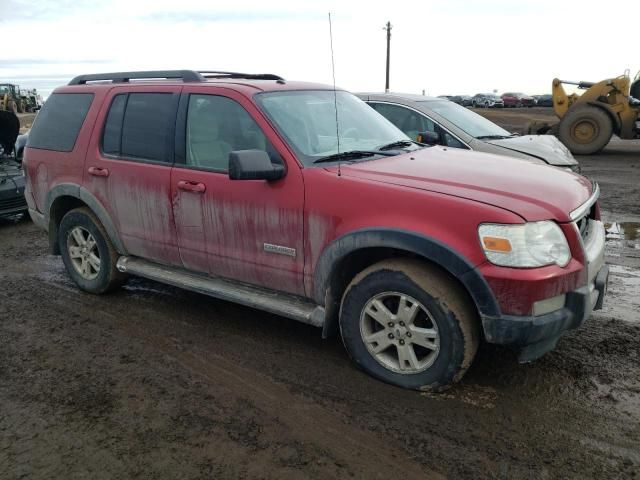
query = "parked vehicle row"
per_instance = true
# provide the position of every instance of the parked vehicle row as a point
(302, 200)
(509, 99)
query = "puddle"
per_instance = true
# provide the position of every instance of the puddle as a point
(623, 295)
(623, 231)
(622, 242)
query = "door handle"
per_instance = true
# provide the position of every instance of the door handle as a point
(98, 172)
(195, 187)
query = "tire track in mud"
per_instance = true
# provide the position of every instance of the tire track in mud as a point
(301, 418)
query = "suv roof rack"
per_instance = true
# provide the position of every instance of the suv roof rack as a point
(249, 76)
(184, 75)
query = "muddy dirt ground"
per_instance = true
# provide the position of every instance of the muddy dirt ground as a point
(155, 382)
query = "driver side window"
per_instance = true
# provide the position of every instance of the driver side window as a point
(216, 126)
(409, 121)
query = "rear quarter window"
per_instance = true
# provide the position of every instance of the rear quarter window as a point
(59, 121)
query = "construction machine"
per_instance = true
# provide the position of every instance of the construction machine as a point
(31, 100)
(10, 98)
(588, 121)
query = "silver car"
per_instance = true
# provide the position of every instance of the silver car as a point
(458, 127)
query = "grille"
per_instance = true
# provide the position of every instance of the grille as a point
(14, 203)
(583, 224)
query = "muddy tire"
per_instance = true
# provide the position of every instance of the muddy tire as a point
(585, 130)
(409, 324)
(87, 252)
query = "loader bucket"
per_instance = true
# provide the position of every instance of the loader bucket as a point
(9, 130)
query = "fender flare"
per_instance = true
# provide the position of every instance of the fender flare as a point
(82, 194)
(425, 247)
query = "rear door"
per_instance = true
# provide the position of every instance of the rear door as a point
(247, 230)
(128, 168)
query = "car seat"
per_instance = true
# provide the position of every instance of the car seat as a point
(204, 147)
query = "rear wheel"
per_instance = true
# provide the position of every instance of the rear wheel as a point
(87, 252)
(585, 130)
(409, 324)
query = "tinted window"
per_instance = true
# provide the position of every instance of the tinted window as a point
(146, 129)
(59, 121)
(217, 126)
(113, 126)
(409, 121)
(451, 141)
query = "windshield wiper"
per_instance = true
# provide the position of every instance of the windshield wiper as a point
(493, 137)
(397, 144)
(352, 155)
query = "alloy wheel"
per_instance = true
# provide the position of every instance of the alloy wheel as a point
(84, 253)
(399, 332)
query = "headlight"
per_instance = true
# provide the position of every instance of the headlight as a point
(533, 244)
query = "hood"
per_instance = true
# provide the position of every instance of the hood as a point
(533, 191)
(544, 147)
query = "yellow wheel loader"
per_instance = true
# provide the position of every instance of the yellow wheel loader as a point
(10, 98)
(588, 121)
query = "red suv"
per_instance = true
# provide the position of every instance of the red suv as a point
(301, 200)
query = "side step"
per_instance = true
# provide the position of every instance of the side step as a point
(289, 306)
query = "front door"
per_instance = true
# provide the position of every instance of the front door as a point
(247, 230)
(128, 169)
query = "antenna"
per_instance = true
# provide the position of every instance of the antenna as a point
(335, 95)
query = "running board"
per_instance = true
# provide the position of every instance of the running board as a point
(286, 305)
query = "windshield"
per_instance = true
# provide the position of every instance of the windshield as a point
(307, 119)
(466, 120)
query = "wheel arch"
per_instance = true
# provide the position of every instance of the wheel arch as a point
(65, 197)
(346, 256)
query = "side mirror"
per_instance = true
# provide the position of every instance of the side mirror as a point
(253, 165)
(428, 137)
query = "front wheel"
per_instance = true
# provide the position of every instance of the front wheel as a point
(87, 252)
(409, 324)
(585, 129)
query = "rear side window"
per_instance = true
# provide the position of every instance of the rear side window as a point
(140, 126)
(113, 126)
(59, 121)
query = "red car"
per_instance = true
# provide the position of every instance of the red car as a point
(246, 188)
(517, 100)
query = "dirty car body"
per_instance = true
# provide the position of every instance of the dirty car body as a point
(461, 128)
(239, 187)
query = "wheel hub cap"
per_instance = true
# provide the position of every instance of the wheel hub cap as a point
(584, 131)
(83, 252)
(399, 333)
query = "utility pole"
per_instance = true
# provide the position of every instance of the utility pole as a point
(388, 29)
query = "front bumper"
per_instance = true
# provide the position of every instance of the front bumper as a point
(12, 199)
(535, 336)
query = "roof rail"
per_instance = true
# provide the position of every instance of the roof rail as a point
(119, 77)
(184, 75)
(249, 76)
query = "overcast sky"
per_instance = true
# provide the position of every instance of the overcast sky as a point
(442, 47)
